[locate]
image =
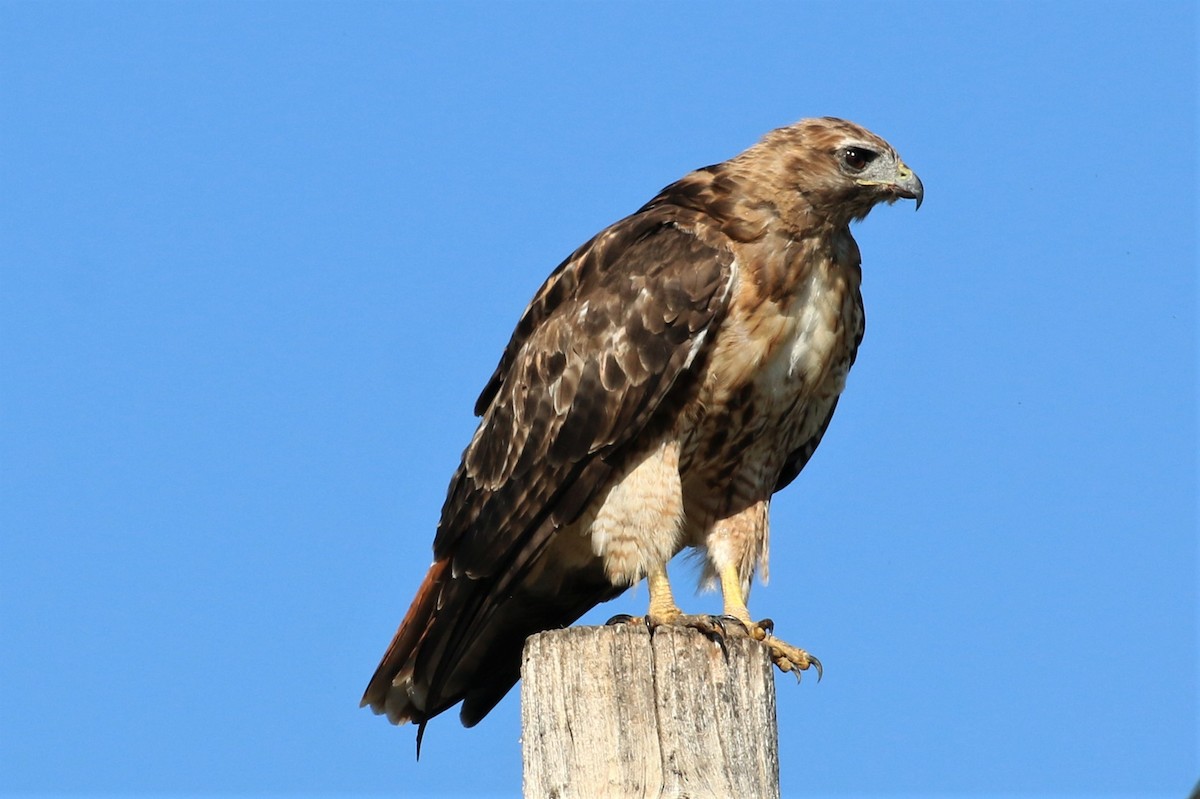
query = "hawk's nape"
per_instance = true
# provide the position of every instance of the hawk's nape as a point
(669, 377)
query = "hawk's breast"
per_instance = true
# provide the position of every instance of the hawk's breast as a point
(777, 367)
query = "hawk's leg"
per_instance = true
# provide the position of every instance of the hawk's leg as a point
(785, 656)
(735, 622)
(664, 611)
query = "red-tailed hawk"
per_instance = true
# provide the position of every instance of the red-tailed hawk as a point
(670, 376)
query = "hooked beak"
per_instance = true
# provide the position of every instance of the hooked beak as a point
(908, 185)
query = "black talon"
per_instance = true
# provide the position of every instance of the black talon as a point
(816, 664)
(620, 618)
(716, 633)
(767, 625)
(725, 619)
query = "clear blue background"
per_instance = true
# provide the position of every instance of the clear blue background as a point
(258, 259)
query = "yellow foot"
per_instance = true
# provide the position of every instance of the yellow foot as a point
(715, 628)
(709, 625)
(786, 657)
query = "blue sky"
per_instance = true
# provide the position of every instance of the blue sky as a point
(258, 259)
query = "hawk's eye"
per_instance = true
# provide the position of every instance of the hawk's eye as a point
(857, 158)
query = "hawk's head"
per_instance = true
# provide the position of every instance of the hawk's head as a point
(834, 168)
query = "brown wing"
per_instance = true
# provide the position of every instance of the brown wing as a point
(600, 357)
(798, 458)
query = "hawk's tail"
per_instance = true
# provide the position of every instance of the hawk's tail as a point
(391, 689)
(462, 637)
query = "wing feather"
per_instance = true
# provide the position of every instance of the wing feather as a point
(600, 359)
(615, 334)
(582, 381)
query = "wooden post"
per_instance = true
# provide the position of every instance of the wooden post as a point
(616, 712)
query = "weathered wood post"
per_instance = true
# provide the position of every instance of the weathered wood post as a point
(615, 712)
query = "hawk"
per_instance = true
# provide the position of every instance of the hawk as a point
(665, 381)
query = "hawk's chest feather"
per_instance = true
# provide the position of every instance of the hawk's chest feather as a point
(780, 349)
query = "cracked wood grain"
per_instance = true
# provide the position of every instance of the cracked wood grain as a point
(615, 712)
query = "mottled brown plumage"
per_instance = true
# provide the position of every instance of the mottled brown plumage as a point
(669, 377)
